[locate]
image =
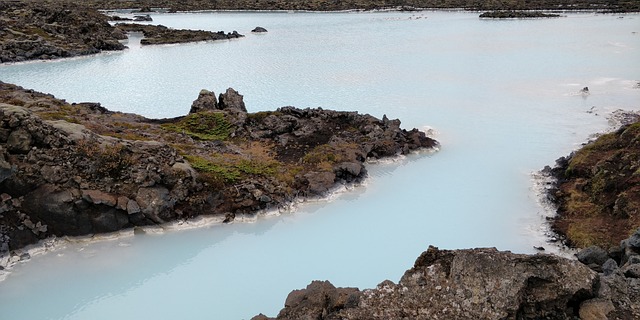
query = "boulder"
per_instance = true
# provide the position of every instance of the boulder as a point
(632, 270)
(57, 208)
(317, 300)
(99, 197)
(206, 101)
(319, 183)
(140, 18)
(593, 255)
(259, 30)
(154, 203)
(19, 141)
(231, 99)
(634, 240)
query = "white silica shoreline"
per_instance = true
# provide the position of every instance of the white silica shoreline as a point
(51, 245)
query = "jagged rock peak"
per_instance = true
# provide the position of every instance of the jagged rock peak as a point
(206, 101)
(231, 99)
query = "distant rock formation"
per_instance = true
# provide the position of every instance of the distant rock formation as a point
(513, 14)
(162, 35)
(259, 30)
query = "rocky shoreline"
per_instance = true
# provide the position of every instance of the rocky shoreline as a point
(29, 31)
(597, 188)
(79, 169)
(53, 29)
(324, 5)
(487, 284)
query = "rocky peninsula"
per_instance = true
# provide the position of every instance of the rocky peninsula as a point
(70, 169)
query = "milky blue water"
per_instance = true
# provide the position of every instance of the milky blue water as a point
(501, 95)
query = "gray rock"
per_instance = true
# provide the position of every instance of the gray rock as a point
(259, 29)
(592, 255)
(634, 240)
(155, 203)
(206, 101)
(609, 267)
(132, 207)
(231, 99)
(319, 183)
(99, 197)
(56, 208)
(352, 168)
(19, 141)
(632, 270)
(317, 300)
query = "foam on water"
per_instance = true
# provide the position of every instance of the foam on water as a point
(503, 98)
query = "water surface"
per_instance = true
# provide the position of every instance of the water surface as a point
(502, 96)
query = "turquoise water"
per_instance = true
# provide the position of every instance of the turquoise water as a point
(502, 97)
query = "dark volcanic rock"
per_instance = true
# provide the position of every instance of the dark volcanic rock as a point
(511, 14)
(206, 102)
(231, 99)
(259, 30)
(459, 284)
(39, 31)
(317, 300)
(77, 169)
(142, 18)
(592, 255)
(162, 35)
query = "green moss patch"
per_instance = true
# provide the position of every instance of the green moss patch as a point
(202, 126)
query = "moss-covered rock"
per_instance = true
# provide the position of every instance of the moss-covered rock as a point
(598, 190)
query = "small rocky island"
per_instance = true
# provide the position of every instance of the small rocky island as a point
(513, 14)
(78, 169)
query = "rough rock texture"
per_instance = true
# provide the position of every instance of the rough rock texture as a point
(477, 284)
(598, 189)
(32, 31)
(78, 169)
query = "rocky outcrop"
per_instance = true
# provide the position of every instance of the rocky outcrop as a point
(598, 188)
(31, 31)
(259, 30)
(481, 284)
(512, 14)
(162, 35)
(78, 169)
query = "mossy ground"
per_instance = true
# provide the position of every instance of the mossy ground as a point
(600, 190)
